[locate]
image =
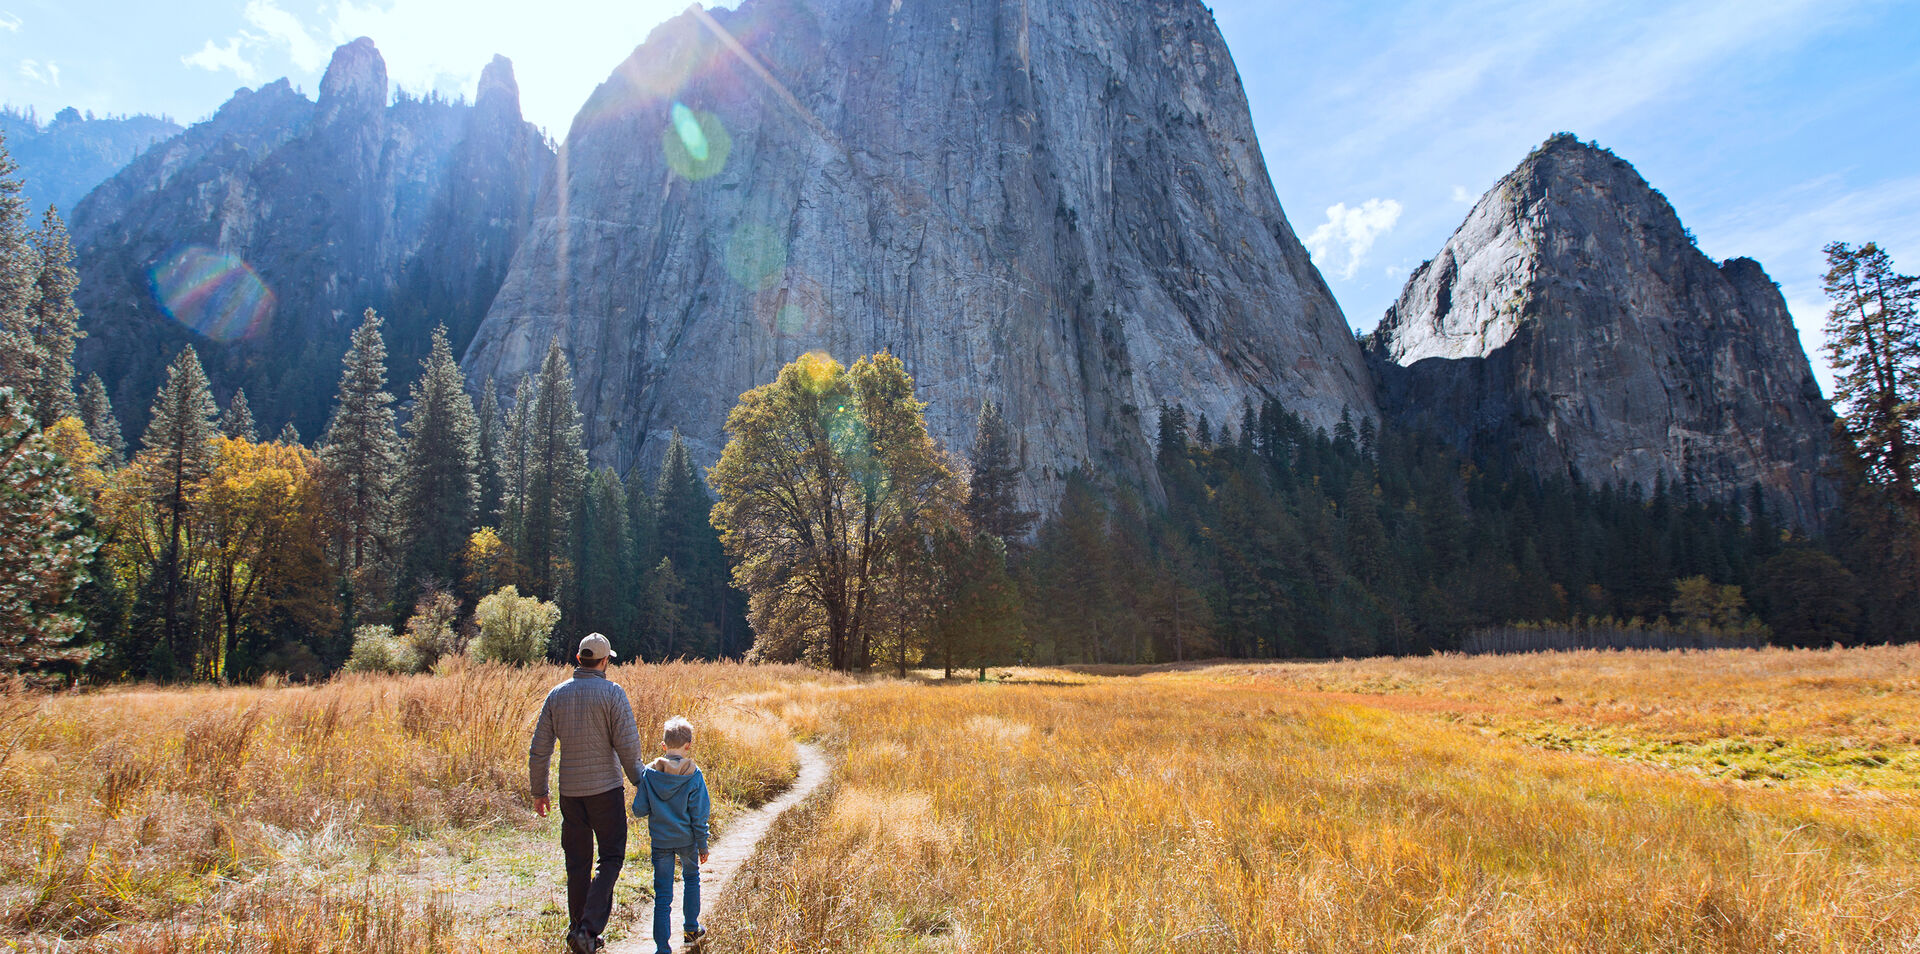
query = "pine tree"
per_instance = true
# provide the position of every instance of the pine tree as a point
(96, 412)
(1873, 339)
(666, 595)
(555, 475)
(20, 360)
(489, 478)
(55, 322)
(361, 454)
(515, 459)
(605, 545)
(237, 422)
(438, 492)
(685, 534)
(177, 454)
(991, 504)
(289, 435)
(43, 517)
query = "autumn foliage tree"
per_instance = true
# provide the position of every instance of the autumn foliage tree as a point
(262, 525)
(827, 476)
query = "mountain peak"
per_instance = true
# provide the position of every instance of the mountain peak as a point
(356, 79)
(499, 92)
(1571, 322)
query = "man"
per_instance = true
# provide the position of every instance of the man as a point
(593, 721)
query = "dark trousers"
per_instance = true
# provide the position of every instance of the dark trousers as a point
(598, 818)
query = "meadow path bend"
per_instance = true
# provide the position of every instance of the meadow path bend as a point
(725, 855)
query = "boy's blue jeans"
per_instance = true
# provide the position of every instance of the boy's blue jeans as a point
(663, 859)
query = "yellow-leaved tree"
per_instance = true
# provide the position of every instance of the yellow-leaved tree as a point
(830, 488)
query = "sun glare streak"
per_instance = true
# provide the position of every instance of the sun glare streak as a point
(766, 76)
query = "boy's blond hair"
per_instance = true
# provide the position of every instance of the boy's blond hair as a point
(678, 732)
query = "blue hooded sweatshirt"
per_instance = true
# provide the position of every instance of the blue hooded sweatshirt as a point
(673, 799)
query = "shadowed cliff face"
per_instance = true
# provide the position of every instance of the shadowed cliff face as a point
(1571, 325)
(260, 235)
(1060, 206)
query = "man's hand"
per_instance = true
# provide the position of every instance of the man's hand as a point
(540, 806)
(703, 857)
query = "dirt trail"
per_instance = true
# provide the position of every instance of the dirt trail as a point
(725, 856)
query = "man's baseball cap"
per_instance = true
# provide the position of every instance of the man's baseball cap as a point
(596, 647)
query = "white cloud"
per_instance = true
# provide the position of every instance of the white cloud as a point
(1348, 233)
(47, 73)
(10, 23)
(284, 29)
(273, 29)
(213, 59)
(1462, 196)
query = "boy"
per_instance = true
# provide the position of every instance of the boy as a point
(673, 799)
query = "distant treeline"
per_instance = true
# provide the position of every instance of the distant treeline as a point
(1278, 539)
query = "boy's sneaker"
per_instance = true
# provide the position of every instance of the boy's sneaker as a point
(696, 940)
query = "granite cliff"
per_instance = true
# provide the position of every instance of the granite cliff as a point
(261, 234)
(1060, 206)
(1571, 325)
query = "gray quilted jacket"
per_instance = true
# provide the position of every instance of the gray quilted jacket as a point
(593, 721)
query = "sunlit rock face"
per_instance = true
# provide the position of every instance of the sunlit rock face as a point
(260, 235)
(1571, 325)
(1057, 205)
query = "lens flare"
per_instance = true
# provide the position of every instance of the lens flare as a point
(214, 293)
(688, 129)
(756, 257)
(791, 322)
(696, 143)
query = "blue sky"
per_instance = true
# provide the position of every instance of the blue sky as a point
(1774, 126)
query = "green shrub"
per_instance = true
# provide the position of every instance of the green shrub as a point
(513, 628)
(376, 649)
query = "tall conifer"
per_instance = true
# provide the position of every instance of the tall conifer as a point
(514, 458)
(991, 504)
(492, 439)
(49, 548)
(55, 321)
(19, 272)
(361, 454)
(1873, 339)
(605, 545)
(96, 412)
(237, 422)
(438, 492)
(556, 472)
(176, 455)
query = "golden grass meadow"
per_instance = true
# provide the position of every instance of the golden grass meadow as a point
(1691, 801)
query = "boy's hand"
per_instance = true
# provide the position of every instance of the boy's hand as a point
(540, 806)
(703, 857)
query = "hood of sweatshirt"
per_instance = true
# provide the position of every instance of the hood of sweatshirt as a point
(673, 765)
(669, 777)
